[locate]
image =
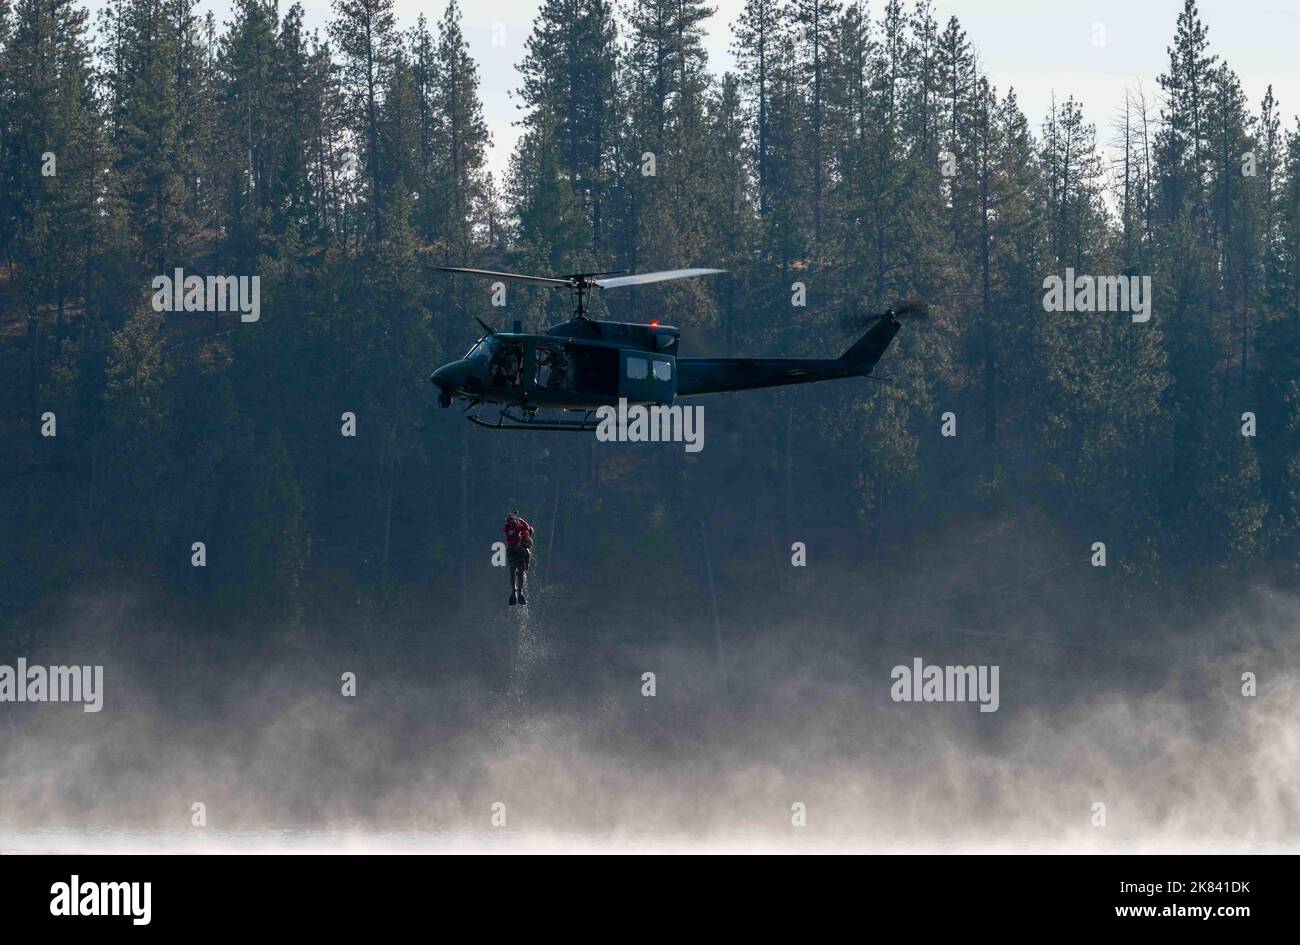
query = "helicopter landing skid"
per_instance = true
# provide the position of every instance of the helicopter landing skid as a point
(509, 421)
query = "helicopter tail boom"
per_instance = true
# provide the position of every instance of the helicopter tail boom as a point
(719, 375)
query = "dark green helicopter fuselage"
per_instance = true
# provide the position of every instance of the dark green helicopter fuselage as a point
(584, 364)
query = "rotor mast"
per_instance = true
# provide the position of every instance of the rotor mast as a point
(581, 283)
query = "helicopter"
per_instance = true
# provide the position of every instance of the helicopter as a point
(584, 364)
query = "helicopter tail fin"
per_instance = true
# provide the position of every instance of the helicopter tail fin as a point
(866, 351)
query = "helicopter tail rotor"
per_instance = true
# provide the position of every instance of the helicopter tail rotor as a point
(914, 310)
(906, 311)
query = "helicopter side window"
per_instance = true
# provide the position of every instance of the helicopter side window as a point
(554, 371)
(663, 370)
(637, 369)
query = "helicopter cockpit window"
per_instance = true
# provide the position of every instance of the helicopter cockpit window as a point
(482, 349)
(637, 369)
(663, 370)
(506, 364)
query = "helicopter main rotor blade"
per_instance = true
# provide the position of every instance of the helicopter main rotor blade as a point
(645, 277)
(488, 273)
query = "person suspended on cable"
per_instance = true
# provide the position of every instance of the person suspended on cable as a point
(519, 553)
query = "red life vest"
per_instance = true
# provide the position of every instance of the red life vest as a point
(516, 532)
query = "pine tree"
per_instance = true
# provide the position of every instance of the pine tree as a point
(758, 34)
(365, 36)
(250, 104)
(815, 28)
(49, 145)
(1278, 409)
(731, 202)
(134, 525)
(665, 83)
(463, 138)
(570, 70)
(155, 75)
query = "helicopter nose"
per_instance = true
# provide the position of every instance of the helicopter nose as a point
(451, 377)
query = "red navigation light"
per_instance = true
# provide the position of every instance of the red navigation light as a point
(654, 324)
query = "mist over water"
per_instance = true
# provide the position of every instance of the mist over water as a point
(1145, 715)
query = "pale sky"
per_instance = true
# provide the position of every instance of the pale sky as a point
(1041, 47)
